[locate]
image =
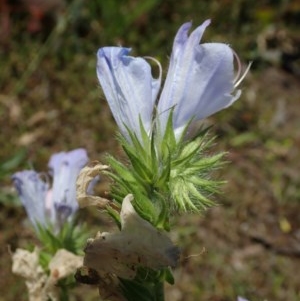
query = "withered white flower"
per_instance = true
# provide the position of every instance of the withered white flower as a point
(138, 244)
(200, 82)
(40, 286)
(26, 264)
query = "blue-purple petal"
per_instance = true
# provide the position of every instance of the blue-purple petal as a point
(129, 88)
(65, 167)
(200, 79)
(32, 192)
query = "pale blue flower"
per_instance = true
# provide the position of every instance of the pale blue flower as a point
(65, 168)
(200, 82)
(57, 205)
(200, 79)
(129, 88)
(32, 191)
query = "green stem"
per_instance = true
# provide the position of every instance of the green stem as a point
(143, 289)
(159, 291)
(64, 293)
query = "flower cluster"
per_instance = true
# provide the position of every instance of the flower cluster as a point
(46, 205)
(166, 169)
(200, 81)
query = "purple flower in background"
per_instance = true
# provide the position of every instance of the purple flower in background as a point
(32, 191)
(56, 205)
(200, 81)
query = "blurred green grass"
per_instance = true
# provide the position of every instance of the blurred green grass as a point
(51, 101)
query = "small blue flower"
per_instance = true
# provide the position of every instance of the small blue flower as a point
(56, 205)
(129, 88)
(200, 81)
(32, 191)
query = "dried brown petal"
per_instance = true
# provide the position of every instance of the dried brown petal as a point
(87, 174)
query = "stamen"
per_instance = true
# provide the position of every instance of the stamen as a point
(239, 78)
(239, 65)
(243, 76)
(158, 64)
(159, 78)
